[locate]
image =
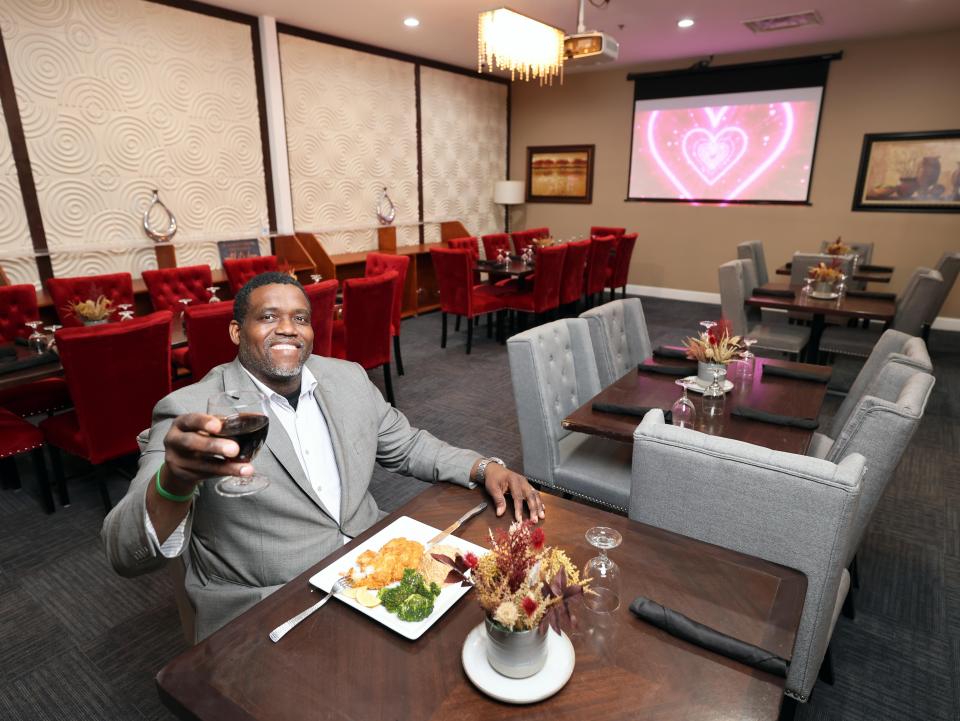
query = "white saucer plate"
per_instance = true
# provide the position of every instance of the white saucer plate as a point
(554, 675)
(697, 386)
(824, 296)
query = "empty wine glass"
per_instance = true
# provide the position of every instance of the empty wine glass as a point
(185, 302)
(37, 340)
(713, 395)
(245, 419)
(708, 324)
(807, 285)
(603, 573)
(125, 311)
(683, 410)
(51, 340)
(212, 290)
(841, 287)
(316, 277)
(745, 365)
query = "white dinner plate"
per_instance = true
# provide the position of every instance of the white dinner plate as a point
(412, 530)
(555, 673)
(696, 385)
(824, 296)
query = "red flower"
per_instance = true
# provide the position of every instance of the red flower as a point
(529, 606)
(471, 560)
(537, 538)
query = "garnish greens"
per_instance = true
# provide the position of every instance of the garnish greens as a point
(412, 600)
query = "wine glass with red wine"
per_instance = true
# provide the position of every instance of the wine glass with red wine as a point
(245, 420)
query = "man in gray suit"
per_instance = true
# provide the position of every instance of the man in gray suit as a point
(328, 426)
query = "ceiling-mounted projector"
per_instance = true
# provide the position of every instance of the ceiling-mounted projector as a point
(589, 48)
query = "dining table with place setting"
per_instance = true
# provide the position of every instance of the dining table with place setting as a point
(665, 624)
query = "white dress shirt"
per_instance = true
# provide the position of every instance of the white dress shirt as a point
(310, 437)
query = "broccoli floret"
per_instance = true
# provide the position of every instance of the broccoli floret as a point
(415, 608)
(392, 596)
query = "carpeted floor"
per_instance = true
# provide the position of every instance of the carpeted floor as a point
(79, 642)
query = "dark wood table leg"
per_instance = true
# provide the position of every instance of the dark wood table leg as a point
(816, 331)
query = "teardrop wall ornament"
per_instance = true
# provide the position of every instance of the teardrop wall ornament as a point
(386, 210)
(155, 235)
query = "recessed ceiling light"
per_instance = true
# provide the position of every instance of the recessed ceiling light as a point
(411, 22)
(685, 23)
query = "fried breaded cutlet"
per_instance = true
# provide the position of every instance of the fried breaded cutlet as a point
(383, 567)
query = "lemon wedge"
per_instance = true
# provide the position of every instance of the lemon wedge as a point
(350, 591)
(367, 597)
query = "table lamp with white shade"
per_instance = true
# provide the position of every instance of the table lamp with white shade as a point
(508, 192)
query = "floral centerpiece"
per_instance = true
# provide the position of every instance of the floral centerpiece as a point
(524, 588)
(838, 248)
(714, 349)
(91, 312)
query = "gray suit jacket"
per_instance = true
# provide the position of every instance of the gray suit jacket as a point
(242, 549)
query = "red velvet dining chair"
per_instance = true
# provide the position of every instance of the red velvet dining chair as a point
(115, 287)
(323, 297)
(167, 286)
(208, 330)
(378, 264)
(18, 437)
(459, 295)
(363, 336)
(601, 231)
(494, 243)
(523, 238)
(545, 295)
(240, 270)
(116, 374)
(598, 262)
(574, 269)
(472, 244)
(619, 267)
(18, 304)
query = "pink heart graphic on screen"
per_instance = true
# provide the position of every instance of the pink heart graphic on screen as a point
(711, 155)
(690, 149)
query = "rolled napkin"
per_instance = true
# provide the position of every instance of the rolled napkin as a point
(798, 373)
(8, 351)
(683, 370)
(774, 292)
(686, 629)
(638, 411)
(666, 351)
(755, 414)
(788, 265)
(876, 268)
(871, 294)
(9, 366)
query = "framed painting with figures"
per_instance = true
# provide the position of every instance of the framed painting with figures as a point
(916, 172)
(560, 174)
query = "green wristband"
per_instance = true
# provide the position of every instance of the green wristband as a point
(166, 494)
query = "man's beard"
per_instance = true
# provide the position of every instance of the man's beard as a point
(265, 367)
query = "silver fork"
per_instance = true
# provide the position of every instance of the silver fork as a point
(281, 630)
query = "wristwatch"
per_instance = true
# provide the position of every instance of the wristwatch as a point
(482, 467)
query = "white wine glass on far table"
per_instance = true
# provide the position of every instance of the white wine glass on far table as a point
(683, 411)
(52, 338)
(37, 340)
(603, 573)
(707, 325)
(316, 277)
(212, 290)
(245, 420)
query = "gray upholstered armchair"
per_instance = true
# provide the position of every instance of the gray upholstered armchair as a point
(619, 335)
(553, 373)
(785, 508)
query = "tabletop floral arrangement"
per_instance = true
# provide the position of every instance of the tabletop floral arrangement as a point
(823, 273)
(91, 311)
(838, 248)
(715, 345)
(522, 583)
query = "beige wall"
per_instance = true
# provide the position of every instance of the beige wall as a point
(889, 85)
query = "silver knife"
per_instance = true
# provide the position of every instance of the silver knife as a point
(456, 524)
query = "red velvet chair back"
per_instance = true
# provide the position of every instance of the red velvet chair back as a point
(600, 231)
(453, 269)
(574, 267)
(117, 287)
(546, 285)
(208, 331)
(367, 303)
(323, 296)
(621, 261)
(472, 244)
(240, 270)
(18, 304)
(597, 263)
(167, 286)
(116, 374)
(380, 263)
(494, 243)
(523, 238)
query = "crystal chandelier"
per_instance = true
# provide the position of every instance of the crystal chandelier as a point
(507, 40)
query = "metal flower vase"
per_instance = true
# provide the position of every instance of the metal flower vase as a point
(515, 654)
(705, 371)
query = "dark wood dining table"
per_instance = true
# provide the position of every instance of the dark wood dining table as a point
(775, 394)
(848, 306)
(341, 664)
(514, 267)
(865, 273)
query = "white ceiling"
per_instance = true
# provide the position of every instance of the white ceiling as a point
(448, 30)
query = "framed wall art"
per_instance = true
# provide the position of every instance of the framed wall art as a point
(916, 172)
(560, 174)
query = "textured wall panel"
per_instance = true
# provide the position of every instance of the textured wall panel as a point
(118, 97)
(351, 129)
(16, 249)
(464, 122)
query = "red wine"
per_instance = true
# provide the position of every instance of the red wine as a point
(249, 430)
